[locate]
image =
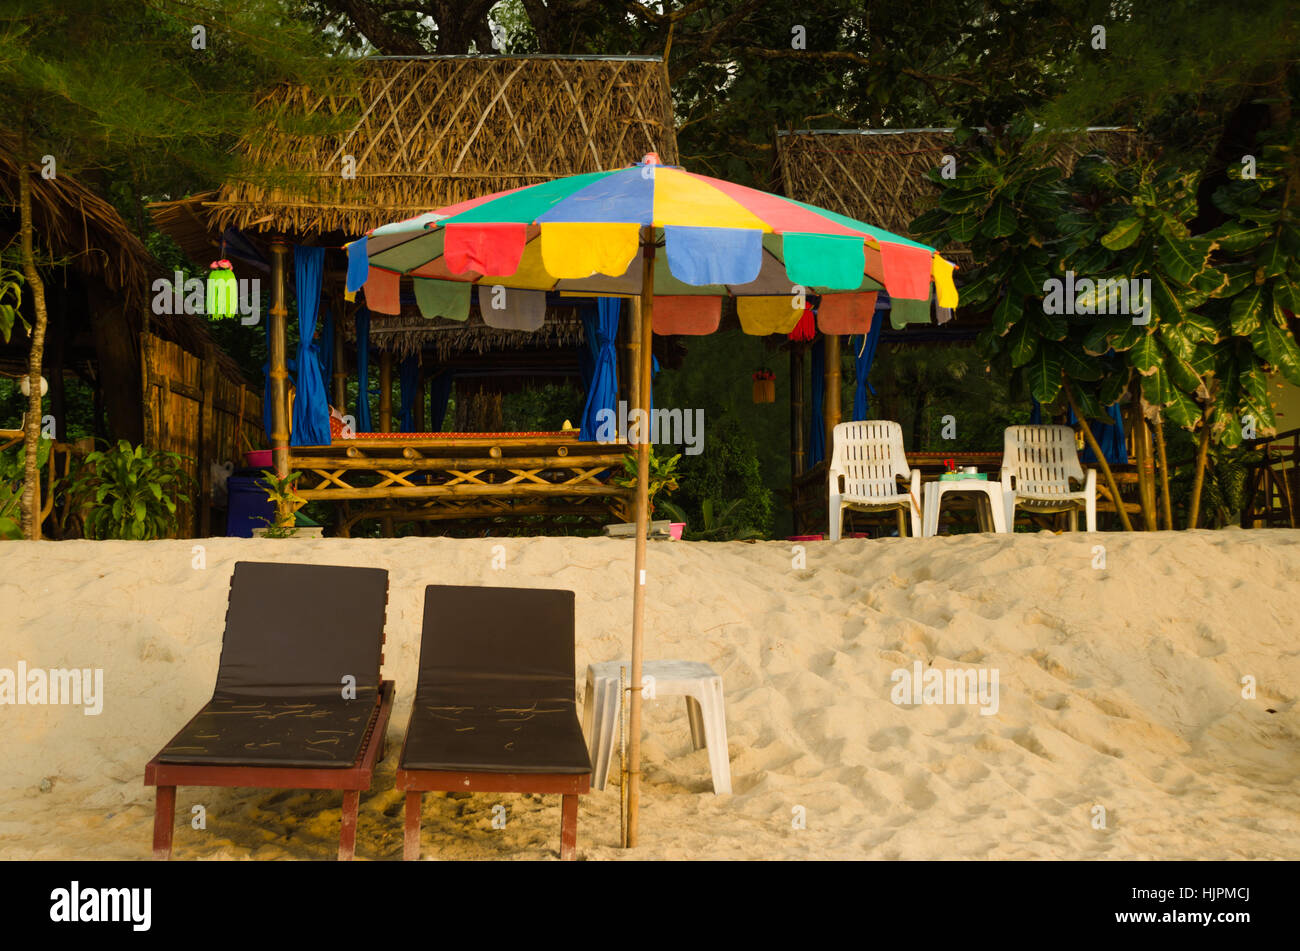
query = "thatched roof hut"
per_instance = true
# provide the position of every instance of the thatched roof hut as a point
(391, 137)
(422, 132)
(879, 175)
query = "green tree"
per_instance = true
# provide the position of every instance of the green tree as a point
(137, 87)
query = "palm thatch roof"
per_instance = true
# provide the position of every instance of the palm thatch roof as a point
(76, 226)
(445, 339)
(879, 175)
(418, 133)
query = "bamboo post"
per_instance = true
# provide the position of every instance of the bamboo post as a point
(385, 391)
(1166, 505)
(642, 524)
(278, 390)
(1202, 453)
(1109, 476)
(207, 438)
(622, 757)
(1145, 463)
(831, 399)
(796, 430)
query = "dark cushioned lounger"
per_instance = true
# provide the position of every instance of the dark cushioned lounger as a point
(296, 636)
(494, 708)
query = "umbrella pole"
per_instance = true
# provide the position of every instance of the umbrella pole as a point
(642, 526)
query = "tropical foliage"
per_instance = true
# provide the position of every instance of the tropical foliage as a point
(130, 493)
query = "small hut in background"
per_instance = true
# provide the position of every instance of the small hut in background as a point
(414, 134)
(160, 382)
(880, 175)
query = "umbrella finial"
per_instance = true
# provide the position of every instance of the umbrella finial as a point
(651, 158)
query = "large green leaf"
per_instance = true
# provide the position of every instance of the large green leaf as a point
(960, 201)
(1113, 386)
(1029, 272)
(1286, 294)
(1254, 395)
(1043, 374)
(1123, 234)
(1183, 411)
(1247, 309)
(1234, 237)
(1183, 258)
(1272, 259)
(963, 228)
(1000, 222)
(1199, 328)
(1145, 356)
(1097, 339)
(1078, 366)
(1157, 388)
(1008, 313)
(1278, 346)
(1022, 342)
(1131, 335)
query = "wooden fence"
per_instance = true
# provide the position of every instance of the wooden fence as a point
(193, 408)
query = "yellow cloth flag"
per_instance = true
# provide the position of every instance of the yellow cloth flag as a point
(760, 316)
(945, 289)
(577, 249)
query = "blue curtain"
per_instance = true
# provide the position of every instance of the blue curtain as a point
(1109, 436)
(817, 437)
(311, 415)
(864, 355)
(363, 371)
(440, 395)
(600, 326)
(408, 378)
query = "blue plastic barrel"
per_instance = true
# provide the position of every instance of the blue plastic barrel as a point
(249, 507)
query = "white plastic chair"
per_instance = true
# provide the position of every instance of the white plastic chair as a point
(868, 457)
(705, 710)
(1038, 464)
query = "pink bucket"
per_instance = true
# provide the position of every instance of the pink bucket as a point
(675, 530)
(806, 538)
(258, 459)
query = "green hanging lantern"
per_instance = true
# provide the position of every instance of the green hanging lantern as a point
(223, 290)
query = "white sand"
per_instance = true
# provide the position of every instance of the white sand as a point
(1118, 687)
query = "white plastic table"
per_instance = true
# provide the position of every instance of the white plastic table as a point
(697, 682)
(935, 491)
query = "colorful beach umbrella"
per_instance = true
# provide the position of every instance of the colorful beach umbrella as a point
(677, 241)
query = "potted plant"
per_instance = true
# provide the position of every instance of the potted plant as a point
(283, 495)
(663, 478)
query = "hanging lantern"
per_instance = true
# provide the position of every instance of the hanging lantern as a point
(223, 290)
(764, 386)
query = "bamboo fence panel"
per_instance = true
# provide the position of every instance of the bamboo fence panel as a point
(178, 400)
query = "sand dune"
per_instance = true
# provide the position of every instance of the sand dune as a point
(1118, 687)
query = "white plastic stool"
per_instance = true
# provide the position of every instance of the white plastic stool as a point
(698, 683)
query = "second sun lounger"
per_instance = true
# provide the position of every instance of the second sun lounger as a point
(494, 708)
(298, 702)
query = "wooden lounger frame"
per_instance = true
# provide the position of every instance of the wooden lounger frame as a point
(416, 782)
(351, 779)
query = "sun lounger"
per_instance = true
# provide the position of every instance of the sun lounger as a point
(494, 707)
(298, 702)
